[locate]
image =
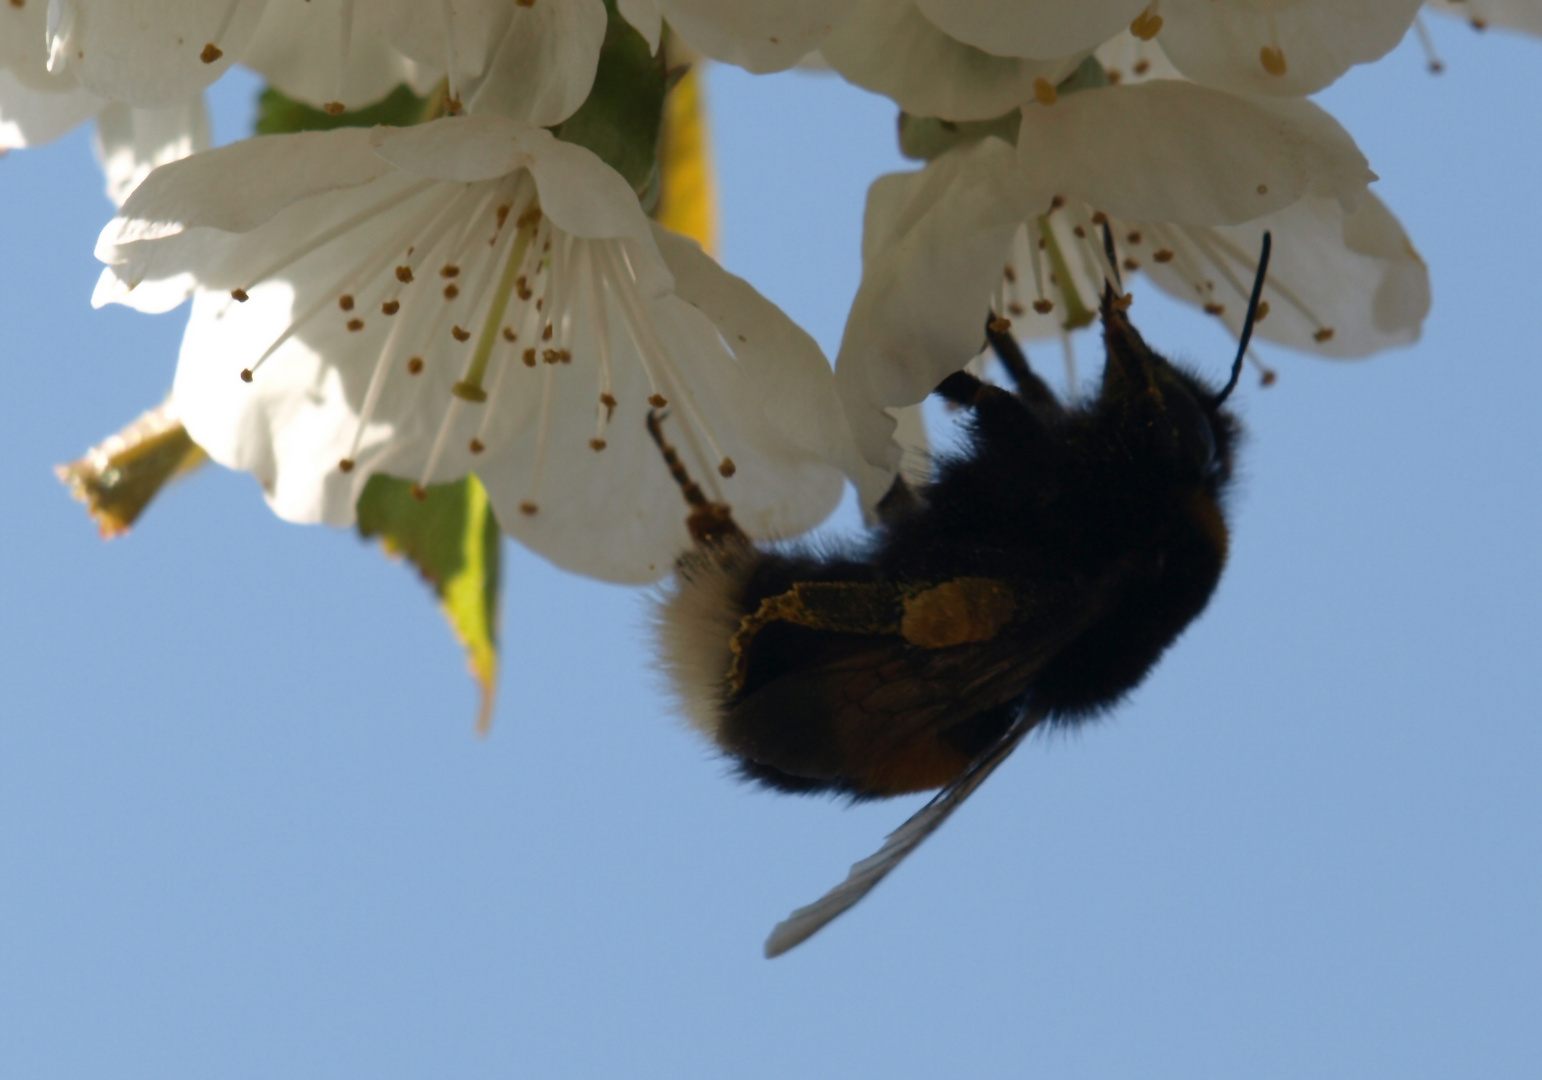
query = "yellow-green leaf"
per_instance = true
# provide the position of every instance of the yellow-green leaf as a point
(451, 536)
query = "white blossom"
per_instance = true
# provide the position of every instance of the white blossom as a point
(758, 35)
(1522, 15)
(1187, 178)
(473, 294)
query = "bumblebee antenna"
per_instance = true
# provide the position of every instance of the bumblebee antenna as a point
(1113, 256)
(710, 524)
(1247, 322)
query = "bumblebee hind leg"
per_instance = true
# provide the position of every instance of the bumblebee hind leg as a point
(1031, 388)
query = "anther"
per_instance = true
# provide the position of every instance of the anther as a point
(529, 358)
(540, 302)
(597, 445)
(211, 52)
(545, 334)
(390, 307)
(239, 296)
(449, 270)
(552, 356)
(1014, 308)
(1212, 308)
(1009, 273)
(1043, 306)
(1325, 334)
(503, 214)
(476, 446)
(1134, 237)
(1162, 255)
(522, 288)
(468, 391)
(1056, 203)
(404, 274)
(1130, 264)
(1263, 311)
(528, 509)
(451, 291)
(1263, 189)
(529, 217)
(415, 366)
(246, 374)
(345, 302)
(460, 335)
(1147, 25)
(1141, 66)
(509, 334)
(334, 108)
(658, 401)
(1268, 378)
(418, 492)
(355, 325)
(1000, 325)
(1099, 218)
(1273, 60)
(345, 465)
(726, 468)
(610, 403)
(1081, 233)
(1044, 91)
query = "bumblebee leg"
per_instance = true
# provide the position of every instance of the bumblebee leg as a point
(1031, 388)
(962, 388)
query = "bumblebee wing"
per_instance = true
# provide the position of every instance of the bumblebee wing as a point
(807, 921)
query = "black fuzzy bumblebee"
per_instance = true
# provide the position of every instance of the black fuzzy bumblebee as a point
(1037, 577)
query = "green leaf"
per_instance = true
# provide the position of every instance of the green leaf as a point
(278, 114)
(451, 536)
(621, 117)
(119, 477)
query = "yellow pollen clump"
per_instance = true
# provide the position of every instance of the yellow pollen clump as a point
(1273, 60)
(1044, 91)
(211, 52)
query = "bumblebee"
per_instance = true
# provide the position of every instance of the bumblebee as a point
(1036, 578)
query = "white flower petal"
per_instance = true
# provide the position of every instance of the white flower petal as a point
(544, 67)
(150, 53)
(920, 311)
(1170, 151)
(1218, 42)
(646, 19)
(889, 47)
(326, 52)
(131, 142)
(29, 116)
(758, 35)
(1037, 29)
(1340, 285)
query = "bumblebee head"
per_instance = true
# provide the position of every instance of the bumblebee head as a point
(1170, 415)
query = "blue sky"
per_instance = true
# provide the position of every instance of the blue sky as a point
(246, 829)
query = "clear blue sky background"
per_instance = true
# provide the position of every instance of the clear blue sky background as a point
(246, 830)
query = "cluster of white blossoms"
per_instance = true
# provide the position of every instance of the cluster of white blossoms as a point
(473, 294)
